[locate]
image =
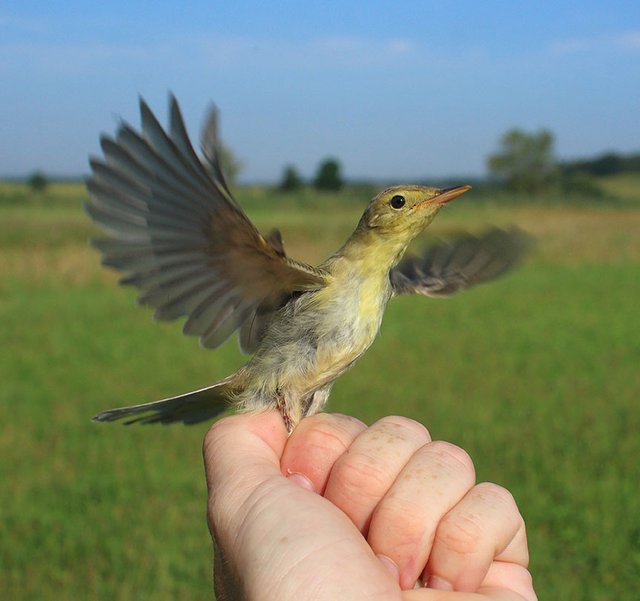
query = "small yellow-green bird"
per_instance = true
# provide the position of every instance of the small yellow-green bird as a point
(177, 232)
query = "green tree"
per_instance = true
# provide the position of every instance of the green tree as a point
(525, 161)
(37, 181)
(328, 176)
(291, 179)
(211, 144)
(231, 165)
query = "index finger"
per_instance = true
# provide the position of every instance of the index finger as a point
(317, 443)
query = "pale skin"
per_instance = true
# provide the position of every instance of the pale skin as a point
(339, 510)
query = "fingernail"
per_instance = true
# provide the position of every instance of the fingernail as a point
(390, 566)
(301, 480)
(439, 583)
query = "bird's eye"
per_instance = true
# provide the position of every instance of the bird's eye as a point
(397, 202)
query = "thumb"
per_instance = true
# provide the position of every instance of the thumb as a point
(240, 453)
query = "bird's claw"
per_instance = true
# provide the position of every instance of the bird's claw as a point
(281, 404)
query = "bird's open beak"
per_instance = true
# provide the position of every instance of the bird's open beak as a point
(447, 194)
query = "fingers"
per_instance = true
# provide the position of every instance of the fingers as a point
(276, 540)
(404, 525)
(484, 526)
(360, 478)
(316, 444)
(413, 499)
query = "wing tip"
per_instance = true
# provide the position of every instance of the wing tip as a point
(110, 415)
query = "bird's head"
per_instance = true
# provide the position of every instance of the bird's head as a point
(404, 211)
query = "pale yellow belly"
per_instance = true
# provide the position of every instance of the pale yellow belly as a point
(344, 324)
(311, 346)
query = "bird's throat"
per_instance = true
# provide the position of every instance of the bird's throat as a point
(374, 254)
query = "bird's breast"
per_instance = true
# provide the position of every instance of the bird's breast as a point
(353, 311)
(317, 336)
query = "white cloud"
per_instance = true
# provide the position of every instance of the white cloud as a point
(622, 41)
(569, 46)
(360, 51)
(629, 40)
(218, 52)
(401, 46)
(323, 51)
(73, 58)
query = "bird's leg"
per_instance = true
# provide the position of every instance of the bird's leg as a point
(281, 404)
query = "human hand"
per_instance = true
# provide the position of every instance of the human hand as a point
(341, 511)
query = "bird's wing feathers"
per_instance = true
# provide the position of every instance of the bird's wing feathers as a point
(211, 149)
(449, 267)
(179, 235)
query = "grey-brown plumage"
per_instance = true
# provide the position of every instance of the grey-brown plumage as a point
(175, 230)
(457, 264)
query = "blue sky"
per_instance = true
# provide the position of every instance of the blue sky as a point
(395, 90)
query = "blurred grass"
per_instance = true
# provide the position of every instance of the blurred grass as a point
(625, 186)
(536, 376)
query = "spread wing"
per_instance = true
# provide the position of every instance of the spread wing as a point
(449, 267)
(178, 234)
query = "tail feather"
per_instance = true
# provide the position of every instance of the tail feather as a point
(189, 408)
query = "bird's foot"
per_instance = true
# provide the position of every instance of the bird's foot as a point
(281, 404)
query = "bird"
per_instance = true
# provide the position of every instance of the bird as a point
(177, 233)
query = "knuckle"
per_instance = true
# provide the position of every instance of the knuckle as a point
(399, 426)
(362, 475)
(339, 420)
(502, 500)
(326, 431)
(407, 535)
(453, 455)
(496, 494)
(405, 515)
(462, 534)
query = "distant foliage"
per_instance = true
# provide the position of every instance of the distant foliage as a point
(291, 179)
(328, 176)
(582, 184)
(230, 164)
(38, 181)
(610, 163)
(525, 161)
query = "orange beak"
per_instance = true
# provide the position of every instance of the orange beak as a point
(447, 194)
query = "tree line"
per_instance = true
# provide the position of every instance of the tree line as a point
(328, 177)
(525, 162)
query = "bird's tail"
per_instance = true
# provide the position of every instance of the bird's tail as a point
(189, 408)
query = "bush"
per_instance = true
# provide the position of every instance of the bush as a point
(525, 162)
(582, 184)
(291, 179)
(37, 181)
(328, 176)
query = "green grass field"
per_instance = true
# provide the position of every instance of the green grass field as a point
(536, 376)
